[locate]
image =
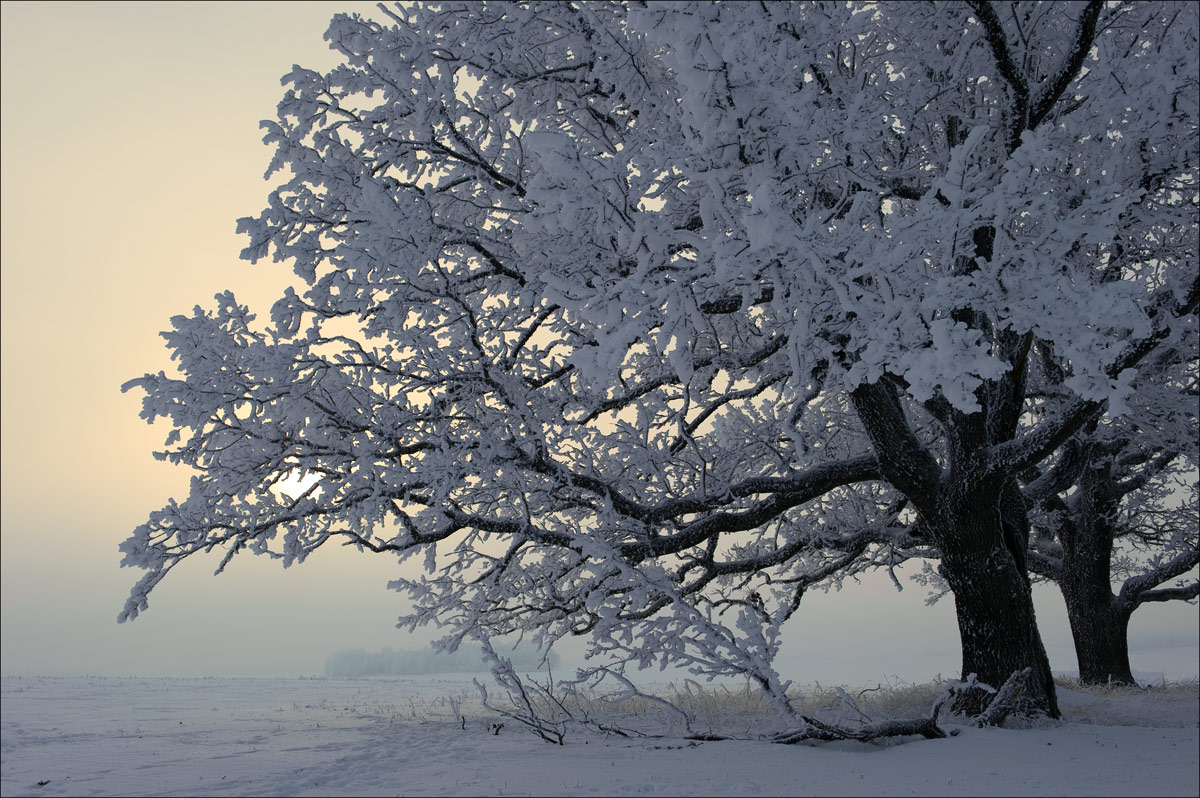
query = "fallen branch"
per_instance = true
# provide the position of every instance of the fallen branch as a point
(819, 730)
(547, 715)
(1005, 700)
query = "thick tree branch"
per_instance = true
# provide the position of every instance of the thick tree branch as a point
(1187, 593)
(1059, 478)
(1030, 449)
(1069, 69)
(1044, 565)
(732, 304)
(1135, 588)
(903, 459)
(997, 39)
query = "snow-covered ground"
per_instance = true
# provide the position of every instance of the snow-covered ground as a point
(162, 737)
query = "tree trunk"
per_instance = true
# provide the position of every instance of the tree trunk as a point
(1100, 629)
(994, 606)
(1099, 620)
(978, 526)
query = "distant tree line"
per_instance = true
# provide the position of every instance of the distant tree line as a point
(351, 663)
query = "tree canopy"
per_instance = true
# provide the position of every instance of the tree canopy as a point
(635, 320)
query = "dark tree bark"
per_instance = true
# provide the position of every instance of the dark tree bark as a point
(1086, 532)
(969, 512)
(1099, 622)
(993, 603)
(1100, 628)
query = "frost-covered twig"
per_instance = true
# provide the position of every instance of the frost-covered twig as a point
(631, 691)
(524, 712)
(852, 705)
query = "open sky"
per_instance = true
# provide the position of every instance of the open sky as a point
(130, 145)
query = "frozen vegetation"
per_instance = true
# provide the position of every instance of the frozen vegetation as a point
(376, 737)
(636, 322)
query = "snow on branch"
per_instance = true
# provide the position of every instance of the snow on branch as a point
(635, 322)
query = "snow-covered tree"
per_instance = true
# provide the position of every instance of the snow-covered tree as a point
(1115, 519)
(636, 319)
(1120, 505)
(1132, 525)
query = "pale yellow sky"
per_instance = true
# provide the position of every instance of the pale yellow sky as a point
(130, 145)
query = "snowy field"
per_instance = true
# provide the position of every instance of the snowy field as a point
(171, 737)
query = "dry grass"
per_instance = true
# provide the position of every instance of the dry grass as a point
(742, 710)
(1169, 705)
(718, 707)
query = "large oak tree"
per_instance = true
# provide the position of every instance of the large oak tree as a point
(635, 320)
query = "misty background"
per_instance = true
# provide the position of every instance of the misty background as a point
(130, 145)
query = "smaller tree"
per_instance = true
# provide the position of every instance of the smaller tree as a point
(1119, 504)
(1130, 518)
